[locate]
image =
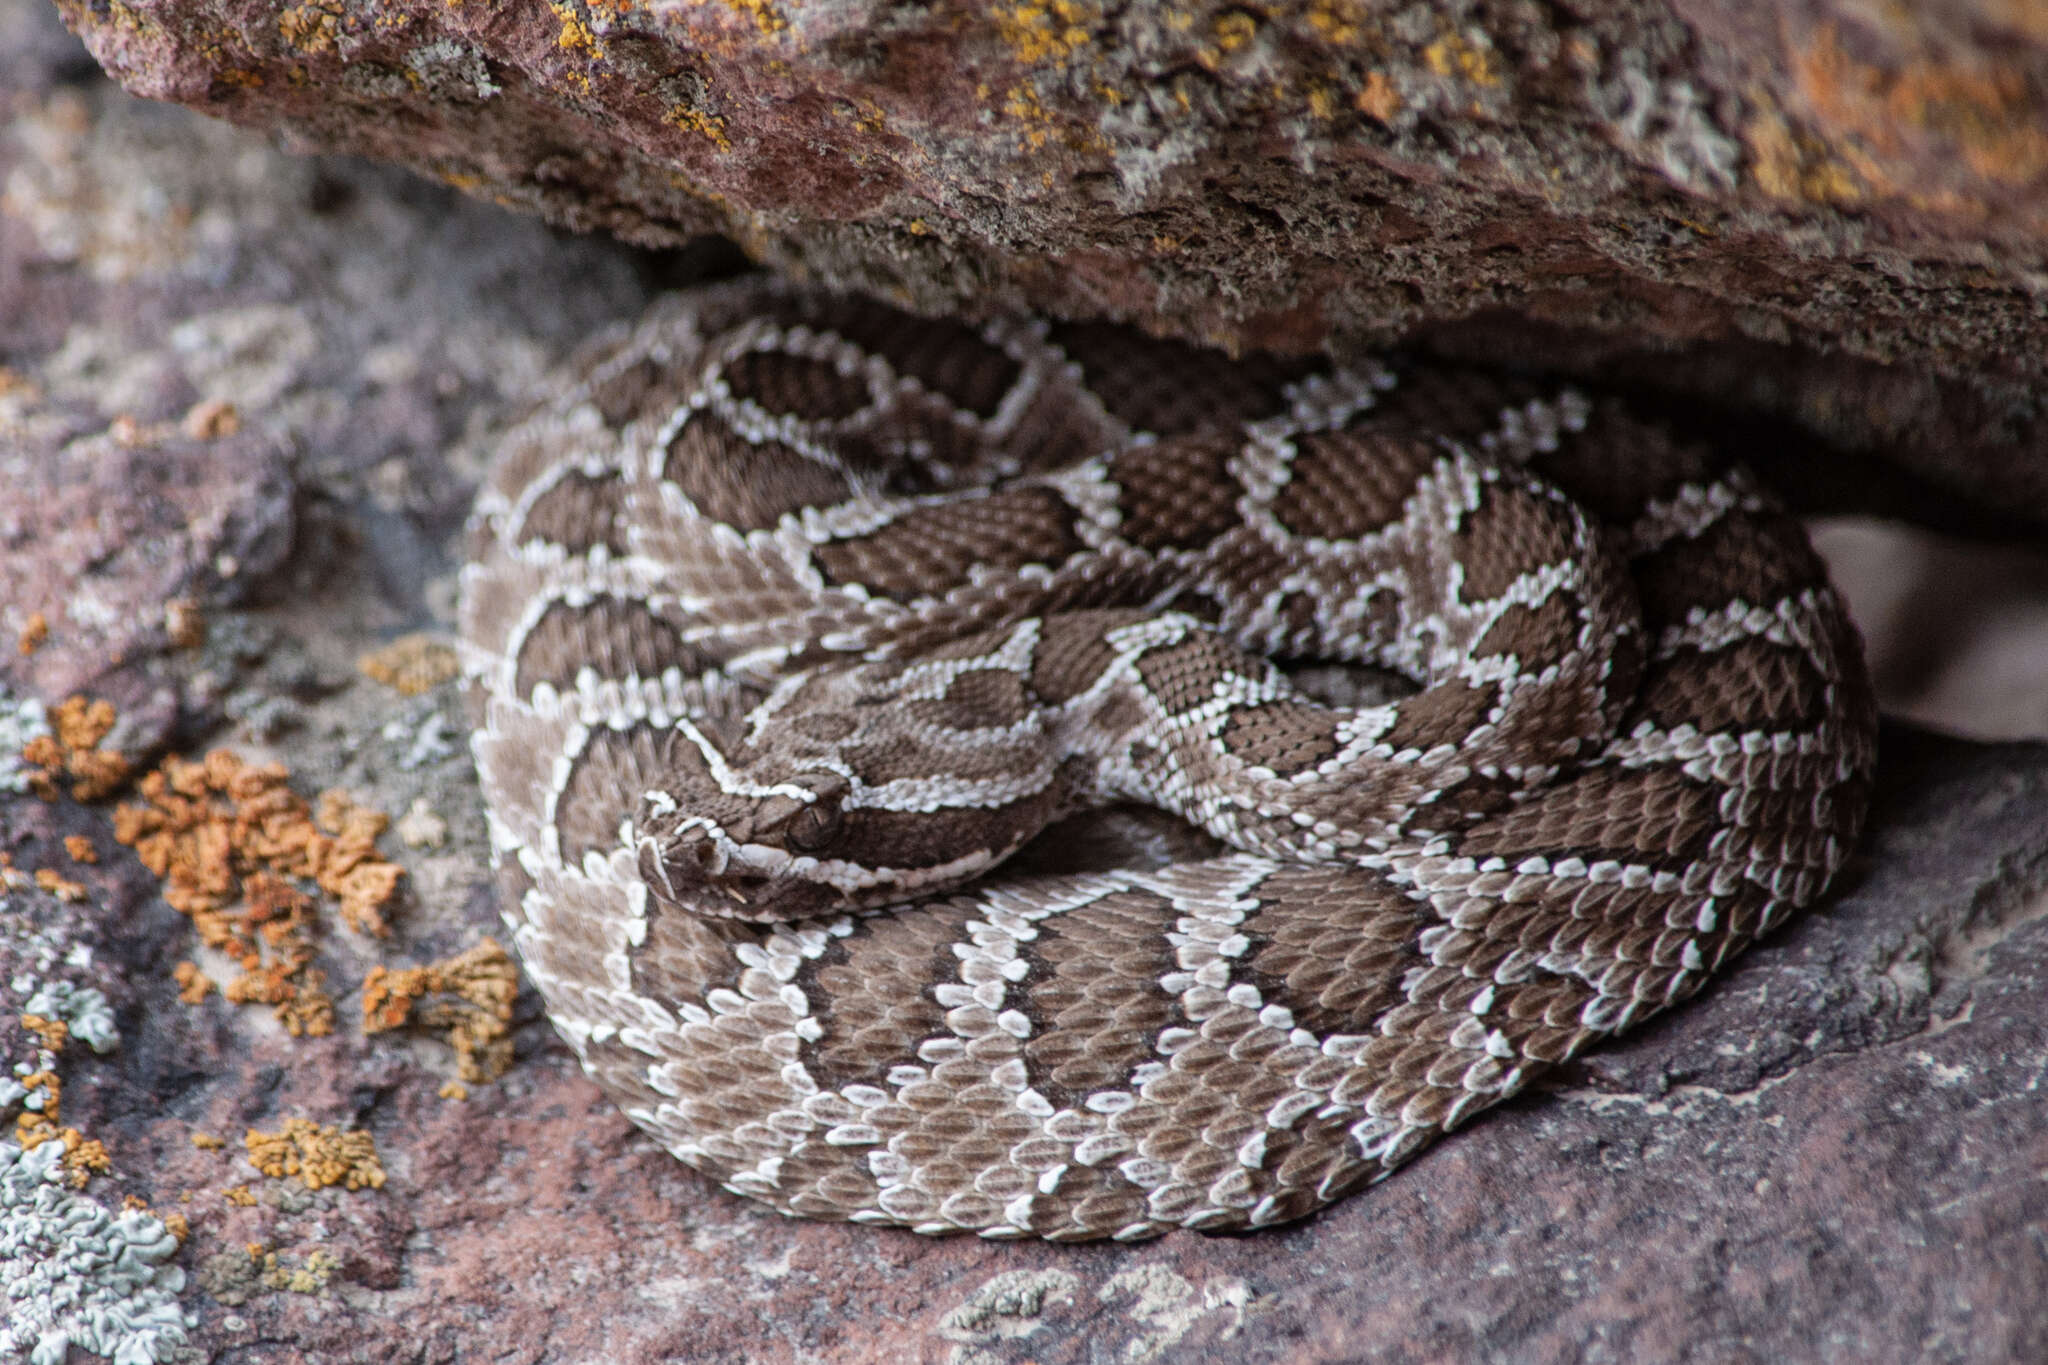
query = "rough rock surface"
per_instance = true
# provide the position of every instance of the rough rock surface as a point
(1835, 1155)
(1754, 201)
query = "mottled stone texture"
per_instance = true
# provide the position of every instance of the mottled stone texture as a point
(1836, 1155)
(1874, 178)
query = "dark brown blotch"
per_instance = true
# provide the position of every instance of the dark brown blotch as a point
(1754, 559)
(1177, 494)
(579, 513)
(1537, 637)
(747, 484)
(1094, 994)
(1444, 714)
(1348, 484)
(796, 386)
(616, 637)
(1285, 737)
(1171, 388)
(1513, 530)
(929, 550)
(1750, 685)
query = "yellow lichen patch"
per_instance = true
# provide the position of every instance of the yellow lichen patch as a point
(239, 1196)
(84, 1157)
(39, 1122)
(319, 1155)
(78, 725)
(471, 998)
(1456, 55)
(309, 1278)
(80, 849)
(207, 1142)
(1338, 21)
(1797, 167)
(193, 984)
(763, 14)
(697, 121)
(453, 1090)
(412, 664)
(1050, 31)
(33, 633)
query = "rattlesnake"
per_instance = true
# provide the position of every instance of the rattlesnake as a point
(791, 617)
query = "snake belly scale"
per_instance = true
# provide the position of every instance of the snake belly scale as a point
(791, 618)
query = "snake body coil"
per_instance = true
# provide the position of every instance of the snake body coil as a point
(792, 618)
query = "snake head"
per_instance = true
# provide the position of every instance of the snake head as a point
(749, 849)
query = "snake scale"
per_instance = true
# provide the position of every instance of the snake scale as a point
(791, 618)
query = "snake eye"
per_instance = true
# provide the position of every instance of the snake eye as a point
(812, 829)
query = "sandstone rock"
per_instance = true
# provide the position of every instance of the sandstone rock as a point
(1835, 1155)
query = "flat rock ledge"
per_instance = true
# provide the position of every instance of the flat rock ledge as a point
(1297, 175)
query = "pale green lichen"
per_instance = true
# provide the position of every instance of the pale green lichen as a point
(82, 1009)
(76, 1274)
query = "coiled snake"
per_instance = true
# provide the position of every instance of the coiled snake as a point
(792, 617)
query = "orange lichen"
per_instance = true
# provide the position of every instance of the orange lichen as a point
(54, 1032)
(1378, 99)
(193, 984)
(80, 848)
(474, 991)
(62, 888)
(319, 1155)
(221, 834)
(239, 1196)
(33, 633)
(83, 1157)
(78, 725)
(207, 1142)
(417, 663)
(1982, 110)
(310, 27)
(281, 917)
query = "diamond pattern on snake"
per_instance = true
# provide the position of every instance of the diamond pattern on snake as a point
(794, 623)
